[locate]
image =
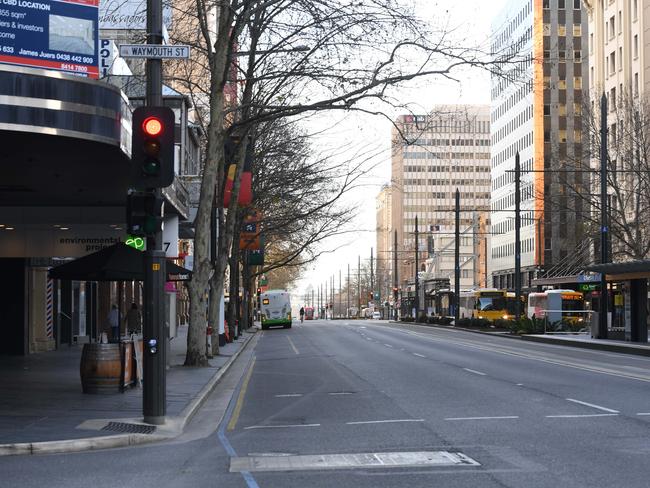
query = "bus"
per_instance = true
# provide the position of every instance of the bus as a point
(275, 309)
(489, 304)
(309, 313)
(557, 306)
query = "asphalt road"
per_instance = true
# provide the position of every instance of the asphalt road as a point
(368, 404)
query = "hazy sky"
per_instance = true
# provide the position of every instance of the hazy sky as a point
(372, 135)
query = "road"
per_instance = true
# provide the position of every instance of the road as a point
(371, 404)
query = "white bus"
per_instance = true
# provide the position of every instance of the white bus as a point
(275, 309)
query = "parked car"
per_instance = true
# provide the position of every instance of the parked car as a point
(376, 315)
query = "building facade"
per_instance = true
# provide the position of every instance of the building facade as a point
(536, 112)
(433, 155)
(384, 246)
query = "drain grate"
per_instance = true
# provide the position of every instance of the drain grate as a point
(129, 428)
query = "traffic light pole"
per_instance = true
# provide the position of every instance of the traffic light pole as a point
(517, 238)
(457, 261)
(154, 401)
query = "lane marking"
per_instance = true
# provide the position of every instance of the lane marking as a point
(287, 426)
(604, 409)
(581, 416)
(505, 417)
(293, 346)
(388, 345)
(503, 350)
(340, 393)
(240, 399)
(419, 355)
(288, 395)
(643, 413)
(393, 421)
(475, 372)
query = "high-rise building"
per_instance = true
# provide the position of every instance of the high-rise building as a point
(433, 155)
(536, 112)
(618, 47)
(384, 242)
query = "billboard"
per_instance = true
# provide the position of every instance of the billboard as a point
(57, 35)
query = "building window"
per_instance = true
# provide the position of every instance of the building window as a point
(636, 46)
(635, 9)
(547, 109)
(560, 4)
(577, 56)
(612, 63)
(577, 82)
(612, 27)
(620, 58)
(546, 4)
(577, 30)
(636, 84)
(561, 30)
(576, 4)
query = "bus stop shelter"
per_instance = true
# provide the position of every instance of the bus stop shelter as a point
(627, 283)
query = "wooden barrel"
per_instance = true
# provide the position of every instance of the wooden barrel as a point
(100, 368)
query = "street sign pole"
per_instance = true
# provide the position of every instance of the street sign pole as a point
(154, 401)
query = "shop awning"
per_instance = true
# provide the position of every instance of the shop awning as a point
(625, 270)
(118, 262)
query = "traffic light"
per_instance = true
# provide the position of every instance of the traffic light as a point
(144, 213)
(152, 148)
(370, 295)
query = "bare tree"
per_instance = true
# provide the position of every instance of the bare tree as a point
(298, 56)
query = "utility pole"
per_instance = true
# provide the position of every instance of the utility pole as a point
(457, 262)
(395, 278)
(347, 312)
(326, 302)
(517, 238)
(417, 270)
(372, 277)
(359, 287)
(340, 292)
(154, 393)
(604, 230)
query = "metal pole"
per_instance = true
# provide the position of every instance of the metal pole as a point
(372, 277)
(327, 303)
(347, 312)
(359, 287)
(604, 231)
(340, 292)
(395, 278)
(457, 262)
(154, 401)
(417, 270)
(517, 238)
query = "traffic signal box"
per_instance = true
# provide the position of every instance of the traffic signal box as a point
(152, 149)
(144, 213)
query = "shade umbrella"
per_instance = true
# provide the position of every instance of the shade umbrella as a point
(118, 262)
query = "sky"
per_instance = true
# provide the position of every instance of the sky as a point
(371, 135)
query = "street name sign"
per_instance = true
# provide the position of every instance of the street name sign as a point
(154, 51)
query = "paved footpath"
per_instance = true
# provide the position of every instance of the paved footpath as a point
(42, 407)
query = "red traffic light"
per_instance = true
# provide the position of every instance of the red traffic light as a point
(152, 126)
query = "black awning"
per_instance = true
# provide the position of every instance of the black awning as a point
(642, 266)
(118, 262)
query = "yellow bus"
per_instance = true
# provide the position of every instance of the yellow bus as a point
(489, 304)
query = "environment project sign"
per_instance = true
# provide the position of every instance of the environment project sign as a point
(57, 35)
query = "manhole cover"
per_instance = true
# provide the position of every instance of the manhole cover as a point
(129, 428)
(417, 459)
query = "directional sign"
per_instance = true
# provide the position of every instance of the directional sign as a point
(154, 51)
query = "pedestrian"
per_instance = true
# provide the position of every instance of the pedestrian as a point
(114, 323)
(302, 314)
(133, 320)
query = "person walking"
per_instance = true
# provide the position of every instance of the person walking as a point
(302, 314)
(114, 323)
(133, 320)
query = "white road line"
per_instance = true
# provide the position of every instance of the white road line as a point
(289, 395)
(383, 421)
(581, 416)
(340, 393)
(604, 409)
(475, 372)
(293, 346)
(388, 345)
(419, 355)
(643, 413)
(505, 417)
(288, 426)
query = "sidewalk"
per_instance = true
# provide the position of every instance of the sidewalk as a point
(42, 408)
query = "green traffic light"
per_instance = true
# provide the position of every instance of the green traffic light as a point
(151, 167)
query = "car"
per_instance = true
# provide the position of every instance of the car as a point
(376, 315)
